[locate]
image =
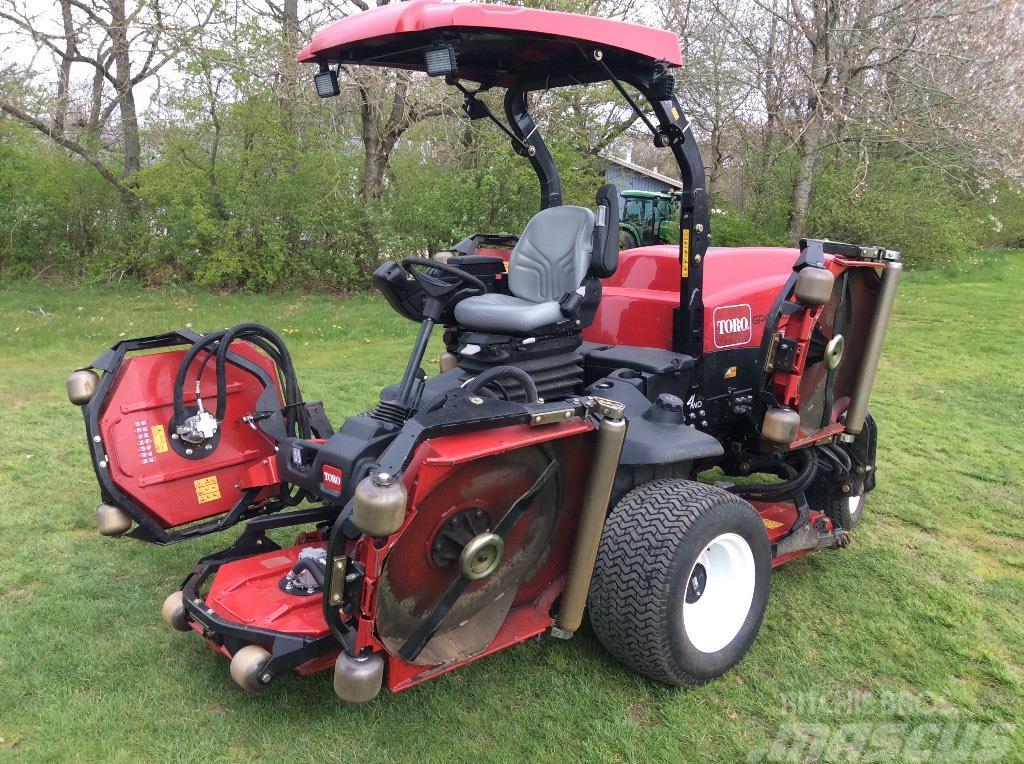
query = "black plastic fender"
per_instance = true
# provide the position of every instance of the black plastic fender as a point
(650, 442)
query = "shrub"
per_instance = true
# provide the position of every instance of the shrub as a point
(895, 205)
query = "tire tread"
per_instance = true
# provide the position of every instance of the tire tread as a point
(629, 594)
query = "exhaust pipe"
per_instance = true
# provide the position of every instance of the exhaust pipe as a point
(858, 409)
(610, 437)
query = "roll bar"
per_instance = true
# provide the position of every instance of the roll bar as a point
(437, 56)
(671, 130)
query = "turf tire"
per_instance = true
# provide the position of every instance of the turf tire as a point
(827, 496)
(651, 542)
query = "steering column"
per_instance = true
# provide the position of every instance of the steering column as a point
(438, 291)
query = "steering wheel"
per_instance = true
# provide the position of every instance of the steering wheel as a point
(439, 291)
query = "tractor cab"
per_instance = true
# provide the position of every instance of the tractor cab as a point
(644, 216)
(559, 459)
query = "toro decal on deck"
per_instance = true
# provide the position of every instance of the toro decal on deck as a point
(331, 478)
(732, 325)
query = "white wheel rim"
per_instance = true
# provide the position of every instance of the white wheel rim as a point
(721, 585)
(855, 503)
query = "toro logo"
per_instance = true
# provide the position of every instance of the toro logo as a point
(732, 325)
(331, 479)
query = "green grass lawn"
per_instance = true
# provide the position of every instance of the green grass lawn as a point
(925, 606)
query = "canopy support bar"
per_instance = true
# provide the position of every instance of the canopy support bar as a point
(531, 144)
(477, 109)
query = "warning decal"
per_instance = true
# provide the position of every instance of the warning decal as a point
(159, 439)
(207, 489)
(771, 524)
(144, 442)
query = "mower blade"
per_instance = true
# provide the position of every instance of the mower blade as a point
(414, 645)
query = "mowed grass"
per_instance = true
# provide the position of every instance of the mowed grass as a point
(927, 601)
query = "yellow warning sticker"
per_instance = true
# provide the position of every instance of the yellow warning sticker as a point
(684, 255)
(207, 489)
(771, 524)
(675, 113)
(159, 439)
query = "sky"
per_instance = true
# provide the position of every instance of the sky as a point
(18, 50)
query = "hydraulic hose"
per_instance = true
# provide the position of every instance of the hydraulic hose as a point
(218, 344)
(494, 373)
(490, 377)
(296, 420)
(179, 381)
(786, 489)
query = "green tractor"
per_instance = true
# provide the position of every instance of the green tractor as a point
(648, 217)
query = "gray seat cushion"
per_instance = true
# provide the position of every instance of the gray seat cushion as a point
(504, 313)
(551, 258)
(553, 254)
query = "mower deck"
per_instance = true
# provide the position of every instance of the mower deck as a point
(245, 594)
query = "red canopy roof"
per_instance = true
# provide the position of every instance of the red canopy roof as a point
(498, 42)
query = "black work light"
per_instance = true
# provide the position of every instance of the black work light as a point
(326, 81)
(440, 60)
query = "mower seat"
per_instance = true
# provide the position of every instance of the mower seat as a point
(549, 263)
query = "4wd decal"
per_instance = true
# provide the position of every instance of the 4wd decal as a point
(733, 325)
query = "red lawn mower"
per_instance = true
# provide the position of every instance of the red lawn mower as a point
(555, 462)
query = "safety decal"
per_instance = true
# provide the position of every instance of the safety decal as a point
(771, 524)
(144, 442)
(159, 439)
(684, 254)
(207, 489)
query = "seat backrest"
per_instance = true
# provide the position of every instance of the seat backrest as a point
(552, 256)
(605, 259)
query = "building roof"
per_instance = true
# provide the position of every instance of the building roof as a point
(644, 194)
(643, 171)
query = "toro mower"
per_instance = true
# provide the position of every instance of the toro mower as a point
(645, 436)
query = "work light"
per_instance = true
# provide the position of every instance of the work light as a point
(326, 82)
(440, 60)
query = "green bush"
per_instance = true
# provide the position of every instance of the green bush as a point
(275, 211)
(486, 189)
(1002, 220)
(58, 217)
(730, 228)
(895, 205)
(281, 208)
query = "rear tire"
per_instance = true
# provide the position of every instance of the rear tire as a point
(843, 509)
(627, 240)
(681, 582)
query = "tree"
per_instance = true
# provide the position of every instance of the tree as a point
(390, 102)
(124, 44)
